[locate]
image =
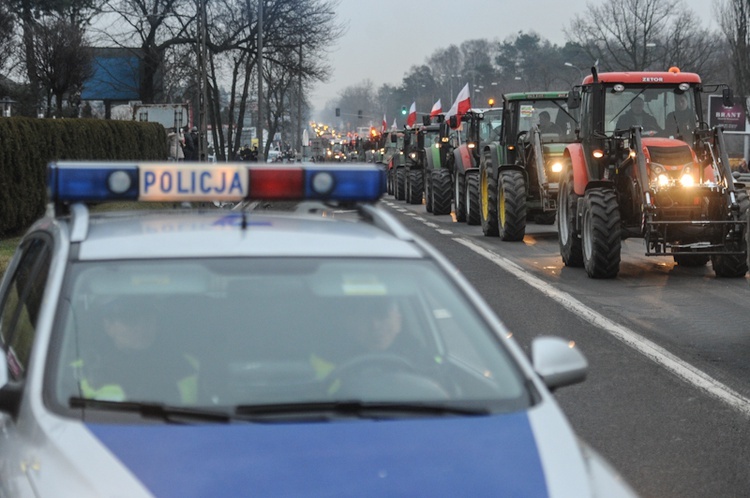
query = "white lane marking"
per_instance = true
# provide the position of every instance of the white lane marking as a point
(651, 350)
(411, 214)
(432, 225)
(419, 218)
(443, 231)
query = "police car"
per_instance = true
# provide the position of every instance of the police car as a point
(215, 352)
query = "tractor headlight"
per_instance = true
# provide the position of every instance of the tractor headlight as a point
(687, 180)
(662, 180)
(556, 167)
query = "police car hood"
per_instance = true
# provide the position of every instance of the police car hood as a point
(519, 454)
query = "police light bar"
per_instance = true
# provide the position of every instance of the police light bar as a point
(193, 182)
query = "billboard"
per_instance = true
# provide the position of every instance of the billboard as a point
(733, 118)
(116, 75)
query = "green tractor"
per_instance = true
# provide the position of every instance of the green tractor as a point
(519, 175)
(482, 129)
(392, 156)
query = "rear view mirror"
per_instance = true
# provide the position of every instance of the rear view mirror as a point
(426, 120)
(453, 122)
(558, 362)
(420, 140)
(574, 99)
(394, 138)
(727, 98)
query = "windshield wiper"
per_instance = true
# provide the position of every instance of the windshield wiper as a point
(354, 408)
(168, 413)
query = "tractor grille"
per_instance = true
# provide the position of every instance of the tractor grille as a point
(671, 156)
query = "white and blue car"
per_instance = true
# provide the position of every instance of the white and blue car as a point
(185, 352)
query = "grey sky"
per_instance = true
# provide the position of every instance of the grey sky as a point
(386, 37)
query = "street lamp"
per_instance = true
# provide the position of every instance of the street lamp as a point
(7, 105)
(575, 67)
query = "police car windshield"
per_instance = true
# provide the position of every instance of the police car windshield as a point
(243, 332)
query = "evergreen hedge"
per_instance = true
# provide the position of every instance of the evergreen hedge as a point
(27, 145)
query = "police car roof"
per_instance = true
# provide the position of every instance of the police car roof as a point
(219, 233)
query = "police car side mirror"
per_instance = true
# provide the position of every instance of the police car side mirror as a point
(727, 99)
(10, 394)
(558, 362)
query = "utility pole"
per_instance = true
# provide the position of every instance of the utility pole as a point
(299, 144)
(202, 112)
(261, 155)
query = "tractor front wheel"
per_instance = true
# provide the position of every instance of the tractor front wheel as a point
(459, 197)
(569, 238)
(441, 192)
(488, 199)
(512, 205)
(399, 186)
(471, 194)
(734, 266)
(428, 191)
(601, 234)
(414, 195)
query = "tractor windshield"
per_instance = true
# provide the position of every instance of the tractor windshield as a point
(551, 116)
(664, 111)
(489, 127)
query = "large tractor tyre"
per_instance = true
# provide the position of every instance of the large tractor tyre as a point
(511, 205)
(471, 194)
(488, 201)
(400, 184)
(428, 191)
(441, 192)
(414, 195)
(568, 236)
(731, 266)
(601, 233)
(691, 260)
(459, 196)
(390, 181)
(407, 187)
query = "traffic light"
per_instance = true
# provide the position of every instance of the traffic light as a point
(338, 112)
(359, 114)
(403, 110)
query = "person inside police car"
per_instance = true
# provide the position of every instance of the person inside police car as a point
(132, 361)
(638, 116)
(682, 121)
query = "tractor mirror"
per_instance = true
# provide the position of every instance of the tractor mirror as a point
(443, 129)
(394, 138)
(426, 120)
(726, 97)
(453, 122)
(574, 99)
(420, 140)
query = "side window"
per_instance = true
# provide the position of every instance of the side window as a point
(19, 308)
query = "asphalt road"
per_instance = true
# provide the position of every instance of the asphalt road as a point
(667, 400)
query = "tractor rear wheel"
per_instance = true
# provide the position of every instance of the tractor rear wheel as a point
(488, 199)
(459, 197)
(471, 194)
(569, 237)
(601, 235)
(414, 195)
(400, 184)
(428, 191)
(511, 207)
(441, 192)
(390, 181)
(733, 266)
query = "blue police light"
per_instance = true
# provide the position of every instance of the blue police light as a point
(172, 182)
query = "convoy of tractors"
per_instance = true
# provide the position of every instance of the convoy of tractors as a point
(622, 155)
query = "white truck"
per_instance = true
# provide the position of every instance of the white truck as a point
(168, 115)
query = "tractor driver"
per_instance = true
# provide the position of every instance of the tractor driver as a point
(681, 122)
(637, 116)
(546, 125)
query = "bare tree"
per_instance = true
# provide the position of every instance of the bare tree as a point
(621, 33)
(7, 20)
(734, 18)
(61, 62)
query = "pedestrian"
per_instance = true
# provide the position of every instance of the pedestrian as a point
(175, 141)
(191, 151)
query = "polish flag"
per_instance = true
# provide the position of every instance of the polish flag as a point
(411, 119)
(394, 127)
(437, 108)
(385, 124)
(461, 105)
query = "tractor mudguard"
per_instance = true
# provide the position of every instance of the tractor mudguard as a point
(433, 158)
(578, 163)
(464, 159)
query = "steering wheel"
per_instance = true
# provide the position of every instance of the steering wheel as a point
(381, 361)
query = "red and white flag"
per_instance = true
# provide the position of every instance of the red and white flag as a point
(461, 105)
(385, 125)
(394, 127)
(411, 119)
(437, 108)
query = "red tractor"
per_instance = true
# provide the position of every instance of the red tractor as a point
(646, 165)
